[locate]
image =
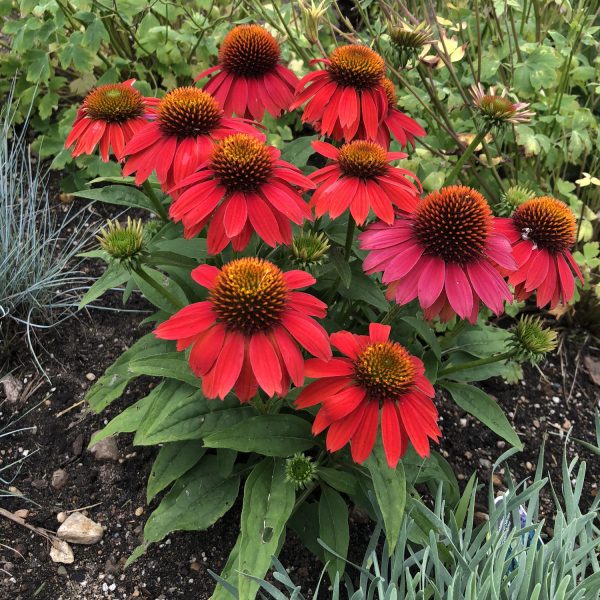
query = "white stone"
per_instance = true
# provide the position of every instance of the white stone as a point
(61, 552)
(78, 529)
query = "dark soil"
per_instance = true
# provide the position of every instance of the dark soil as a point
(545, 405)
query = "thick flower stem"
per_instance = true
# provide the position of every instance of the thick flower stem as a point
(391, 314)
(349, 237)
(477, 363)
(160, 209)
(465, 156)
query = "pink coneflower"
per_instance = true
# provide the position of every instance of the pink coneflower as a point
(250, 78)
(376, 375)
(345, 96)
(249, 331)
(109, 117)
(242, 188)
(362, 178)
(445, 253)
(188, 124)
(542, 232)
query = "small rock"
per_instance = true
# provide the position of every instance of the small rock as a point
(61, 552)
(567, 425)
(497, 480)
(62, 571)
(195, 566)
(8, 566)
(468, 455)
(78, 445)
(78, 529)
(59, 479)
(536, 423)
(485, 463)
(90, 376)
(106, 449)
(22, 513)
(39, 484)
(12, 388)
(61, 517)
(15, 491)
(463, 422)
(529, 466)
(501, 444)
(139, 511)
(593, 366)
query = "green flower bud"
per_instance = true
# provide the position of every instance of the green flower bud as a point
(124, 244)
(309, 249)
(513, 198)
(408, 40)
(300, 470)
(530, 340)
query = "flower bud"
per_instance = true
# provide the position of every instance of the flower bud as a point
(309, 249)
(530, 340)
(300, 470)
(408, 40)
(124, 244)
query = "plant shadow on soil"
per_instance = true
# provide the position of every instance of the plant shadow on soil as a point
(178, 566)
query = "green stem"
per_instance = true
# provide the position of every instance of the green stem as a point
(159, 288)
(476, 363)
(160, 209)
(349, 237)
(391, 314)
(465, 156)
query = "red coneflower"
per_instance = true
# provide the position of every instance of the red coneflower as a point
(396, 123)
(345, 96)
(377, 374)
(543, 231)
(249, 77)
(243, 187)
(188, 124)
(362, 178)
(247, 334)
(109, 116)
(446, 253)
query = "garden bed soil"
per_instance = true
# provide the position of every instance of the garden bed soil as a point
(544, 406)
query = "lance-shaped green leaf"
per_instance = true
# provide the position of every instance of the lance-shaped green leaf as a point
(114, 276)
(271, 435)
(390, 490)
(483, 407)
(268, 503)
(333, 529)
(122, 195)
(173, 460)
(180, 412)
(112, 384)
(172, 365)
(195, 502)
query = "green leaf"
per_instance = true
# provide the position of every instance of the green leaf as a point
(333, 529)
(182, 413)
(390, 490)
(298, 151)
(268, 503)
(271, 435)
(482, 406)
(365, 289)
(174, 460)
(38, 69)
(127, 421)
(426, 332)
(112, 384)
(160, 281)
(229, 574)
(194, 503)
(342, 481)
(194, 248)
(341, 266)
(122, 195)
(114, 276)
(173, 365)
(305, 523)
